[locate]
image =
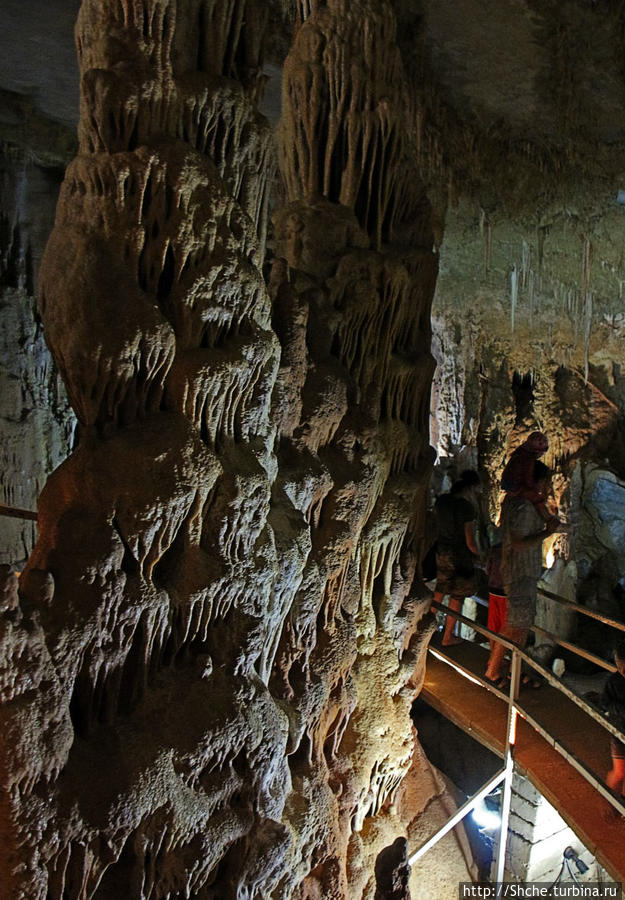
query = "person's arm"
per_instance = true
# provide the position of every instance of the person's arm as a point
(554, 525)
(470, 538)
(613, 700)
(521, 540)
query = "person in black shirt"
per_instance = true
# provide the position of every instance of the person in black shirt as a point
(456, 546)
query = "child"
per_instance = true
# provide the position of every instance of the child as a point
(518, 474)
(614, 704)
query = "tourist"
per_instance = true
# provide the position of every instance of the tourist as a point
(614, 703)
(457, 547)
(524, 528)
(497, 607)
(518, 474)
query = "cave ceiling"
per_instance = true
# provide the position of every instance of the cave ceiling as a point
(514, 73)
(503, 66)
(519, 128)
(549, 73)
(520, 132)
(522, 125)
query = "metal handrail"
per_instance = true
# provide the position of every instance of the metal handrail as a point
(579, 651)
(13, 512)
(593, 614)
(514, 707)
(555, 682)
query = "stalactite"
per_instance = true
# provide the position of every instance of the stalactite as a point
(329, 99)
(588, 309)
(514, 293)
(525, 264)
(488, 243)
(586, 266)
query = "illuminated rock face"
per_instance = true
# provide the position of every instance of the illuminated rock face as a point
(360, 273)
(207, 678)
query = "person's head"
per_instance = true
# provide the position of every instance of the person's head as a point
(619, 657)
(537, 443)
(469, 484)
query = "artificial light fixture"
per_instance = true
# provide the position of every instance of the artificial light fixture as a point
(485, 817)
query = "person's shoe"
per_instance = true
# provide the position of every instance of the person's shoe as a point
(452, 641)
(528, 681)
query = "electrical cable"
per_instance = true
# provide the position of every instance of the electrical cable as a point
(571, 872)
(558, 876)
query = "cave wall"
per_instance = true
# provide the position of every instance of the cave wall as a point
(38, 98)
(527, 335)
(36, 421)
(520, 141)
(208, 667)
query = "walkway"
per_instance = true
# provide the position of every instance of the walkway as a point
(482, 712)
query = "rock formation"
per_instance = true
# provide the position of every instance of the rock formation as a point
(207, 674)
(209, 659)
(523, 161)
(36, 423)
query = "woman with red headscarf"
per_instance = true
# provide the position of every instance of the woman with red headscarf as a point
(518, 475)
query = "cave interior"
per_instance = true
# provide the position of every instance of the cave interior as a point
(273, 273)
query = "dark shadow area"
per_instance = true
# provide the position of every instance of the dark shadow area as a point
(466, 763)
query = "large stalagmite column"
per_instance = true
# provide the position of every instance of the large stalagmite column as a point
(357, 281)
(140, 745)
(207, 671)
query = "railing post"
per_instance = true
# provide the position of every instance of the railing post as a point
(458, 815)
(515, 681)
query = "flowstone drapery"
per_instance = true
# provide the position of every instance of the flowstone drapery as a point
(360, 272)
(148, 747)
(208, 670)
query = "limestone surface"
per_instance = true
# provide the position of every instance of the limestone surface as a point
(208, 668)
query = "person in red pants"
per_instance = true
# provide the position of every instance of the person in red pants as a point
(497, 607)
(614, 703)
(523, 530)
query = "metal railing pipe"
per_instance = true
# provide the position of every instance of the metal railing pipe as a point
(593, 614)
(13, 512)
(552, 679)
(460, 813)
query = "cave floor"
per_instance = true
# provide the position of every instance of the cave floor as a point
(482, 713)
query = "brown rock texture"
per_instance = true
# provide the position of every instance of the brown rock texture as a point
(208, 673)
(358, 272)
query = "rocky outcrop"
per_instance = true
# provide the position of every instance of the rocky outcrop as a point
(208, 672)
(360, 272)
